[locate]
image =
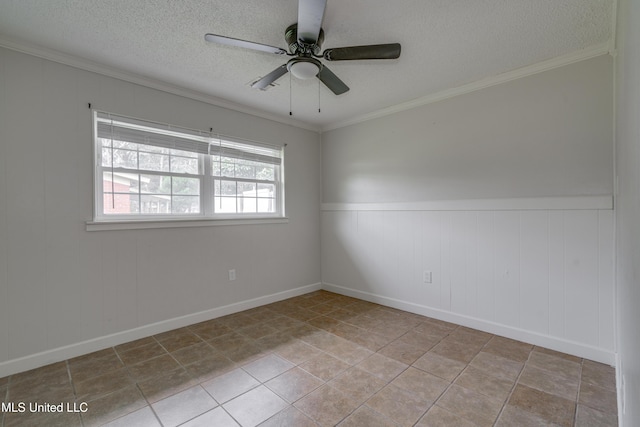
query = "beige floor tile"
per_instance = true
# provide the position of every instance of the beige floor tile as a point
(134, 344)
(349, 352)
(512, 416)
(435, 328)
(358, 384)
(211, 367)
(558, 354)
(440, 417)
(166, 384)
(94, 364)
(246, 353)
(54, 371)
(324, 322)
(440, 366)
(598, 398)
(181, 407)
(599, 374)
(452, 349)
(275, 341)
(255, 406)
(49, 383)
(297, 352)
(268, 367)
(228, 342)
(180, 338)
(324, 366)
(424, 342)
(141, 418)
(402, 352)
(543, 380)
(469, 337)
(558, 366)
(289, 417)
(141, 353)
(217, 417)
(283, 323)
(38, 419)
(476, 380)
(188, 355)
(509, 349)
(327, 406)
(230, 385)
(321, 339)
(369, 340)
(153, 367)
(237, 320)
(553, 409)
(420, 384)
(366, 417)
(470, 405)
(294, 384)
(257, 331)
(497, 366)
(589, 417)
(210, 329)
(399, 405)
(99, 386)
(382, 367)
(113, 406)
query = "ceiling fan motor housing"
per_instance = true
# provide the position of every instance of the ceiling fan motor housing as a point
(298, 47)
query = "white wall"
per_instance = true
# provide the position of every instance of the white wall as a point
(512, 248)
(63, 286)
(628, 209)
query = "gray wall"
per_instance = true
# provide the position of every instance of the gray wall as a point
(628, 207)
(549, 134)
(61, 285)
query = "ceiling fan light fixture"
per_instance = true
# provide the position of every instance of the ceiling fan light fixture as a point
(304, 69)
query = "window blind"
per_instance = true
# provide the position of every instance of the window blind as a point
(110, 126)
(245, 150)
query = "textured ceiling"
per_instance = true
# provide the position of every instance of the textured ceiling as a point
(445, 44)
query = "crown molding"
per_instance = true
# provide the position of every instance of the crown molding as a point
(87, 65)
(105, 70)
(560, 61)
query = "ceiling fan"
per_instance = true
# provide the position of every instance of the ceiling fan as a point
(304, 40)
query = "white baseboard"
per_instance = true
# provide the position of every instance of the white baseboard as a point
(554, 343)
(62, 353)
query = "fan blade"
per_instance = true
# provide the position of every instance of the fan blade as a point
(310, 14)
(229, 41)
(332, 81)
(270, 78)
(374, 51)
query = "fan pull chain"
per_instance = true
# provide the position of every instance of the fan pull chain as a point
(318, 96)
(290, 113)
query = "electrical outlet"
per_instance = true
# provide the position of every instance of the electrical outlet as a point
(427, 277)
(232, 275)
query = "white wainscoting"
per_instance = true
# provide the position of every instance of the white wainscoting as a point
(543, 275)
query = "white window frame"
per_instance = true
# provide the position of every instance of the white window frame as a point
(207, 145)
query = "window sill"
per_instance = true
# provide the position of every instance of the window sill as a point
(177, 223)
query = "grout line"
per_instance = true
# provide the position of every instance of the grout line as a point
(515, 384)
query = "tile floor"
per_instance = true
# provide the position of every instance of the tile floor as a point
(318, 359)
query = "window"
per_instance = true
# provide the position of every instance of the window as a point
(149, 171)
